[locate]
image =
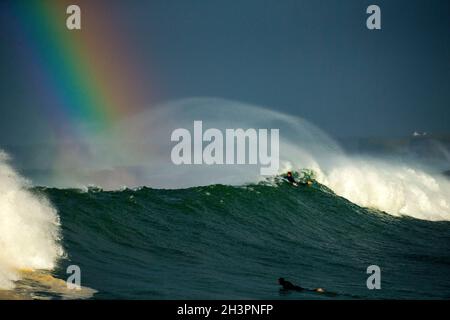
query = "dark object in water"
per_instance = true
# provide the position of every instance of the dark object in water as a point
(287, 285)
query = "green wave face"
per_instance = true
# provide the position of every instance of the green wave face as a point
(229, 242)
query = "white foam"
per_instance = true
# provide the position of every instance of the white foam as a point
(29, 227)
(395, 188)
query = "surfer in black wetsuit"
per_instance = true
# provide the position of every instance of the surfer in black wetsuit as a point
(289, 286)
(291, 179)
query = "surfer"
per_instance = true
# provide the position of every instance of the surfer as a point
(291, 179)
(287, 285)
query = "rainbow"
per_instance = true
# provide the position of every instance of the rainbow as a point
(80, 76)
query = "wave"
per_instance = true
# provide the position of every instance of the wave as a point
(29, 228)
(394, 188)
(222, 241)
(173, 218)
(135, 152)
(183, 243)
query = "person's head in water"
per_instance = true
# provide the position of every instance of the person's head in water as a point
(290, 178)
(281, 281)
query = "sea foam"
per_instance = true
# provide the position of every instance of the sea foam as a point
(393, 187)
(29, 228)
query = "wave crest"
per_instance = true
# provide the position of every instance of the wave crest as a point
(29, 227)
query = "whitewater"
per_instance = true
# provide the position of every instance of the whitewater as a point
(29, 227)
(175, 220)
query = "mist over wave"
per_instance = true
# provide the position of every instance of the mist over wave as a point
(136, 152)
(29, 227)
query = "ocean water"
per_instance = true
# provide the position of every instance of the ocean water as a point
(225, 242)
(230, 242)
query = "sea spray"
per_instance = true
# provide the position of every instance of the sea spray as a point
(29, 227)
(136, 152)
(394, 188)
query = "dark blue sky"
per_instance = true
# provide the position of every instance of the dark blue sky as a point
(314, 59)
